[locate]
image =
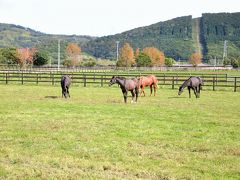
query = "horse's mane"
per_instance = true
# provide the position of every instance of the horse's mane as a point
(120, 77)
(185, 82)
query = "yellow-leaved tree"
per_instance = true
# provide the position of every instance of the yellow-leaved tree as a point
(157, 57)
(126, 56)
(195, 59)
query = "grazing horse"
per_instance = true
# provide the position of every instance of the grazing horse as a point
(126, 85)
(150, 81)
(194, 83)
(65, 84)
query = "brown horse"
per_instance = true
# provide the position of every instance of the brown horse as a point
(126, 84)
(150, 81)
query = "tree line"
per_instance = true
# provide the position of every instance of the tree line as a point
(25, 57)
(149, 56)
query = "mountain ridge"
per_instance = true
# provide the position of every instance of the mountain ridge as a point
(177, 37)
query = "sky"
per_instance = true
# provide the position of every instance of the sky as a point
(103, 17)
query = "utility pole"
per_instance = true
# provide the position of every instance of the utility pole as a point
(117, 48)
(58, 54)
(225, 50)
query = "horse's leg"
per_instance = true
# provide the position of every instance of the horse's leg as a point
(133, 95)
(199, 90)
(68, 92)
(150, 90)
(125, 95)
(136, 92)
(189, 92)
(195, 91)
(142, 91)
(155, 89)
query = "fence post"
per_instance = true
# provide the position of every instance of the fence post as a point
(213, 83)
(177, 79)
(6, 77)
(101, 81)
(216, 79)
(52, 79)
(22, 77)
(84, 80)
(37, 78)
(235, 84)
(164, 79)
(105, 76)
(173, 83)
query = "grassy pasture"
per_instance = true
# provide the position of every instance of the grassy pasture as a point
(94, 135)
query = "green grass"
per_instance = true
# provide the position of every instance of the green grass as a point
(94, 135)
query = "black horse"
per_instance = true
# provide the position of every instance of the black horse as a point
(126, 85)
(194, 83)
(65, 84)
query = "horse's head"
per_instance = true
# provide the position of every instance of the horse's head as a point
(113, 80)
(180, 90)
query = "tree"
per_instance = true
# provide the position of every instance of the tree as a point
(137, 52)
(232, 60)
(25, 56)
(169, 61)
(8, 56)
(143, 60)
(73, 52)
(157, 57)
(40, 58)
(126, 56)
(195, 59)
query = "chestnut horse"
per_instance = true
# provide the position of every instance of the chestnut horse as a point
(150, 81)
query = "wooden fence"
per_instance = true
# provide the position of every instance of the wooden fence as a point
(171, 80)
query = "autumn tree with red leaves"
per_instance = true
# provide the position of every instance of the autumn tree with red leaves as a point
(73, 52)
(25, 56)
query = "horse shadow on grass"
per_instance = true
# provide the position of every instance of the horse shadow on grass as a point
(51, 97)
(177, 97)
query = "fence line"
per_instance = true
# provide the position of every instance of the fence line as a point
(212, 81)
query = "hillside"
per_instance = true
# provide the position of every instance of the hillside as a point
(216, 28)
(18, 36)
(177, 38)
(174, 37)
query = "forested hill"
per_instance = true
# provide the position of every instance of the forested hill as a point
(177, 38)
(174, 37)
(217, 28)
(18, 36)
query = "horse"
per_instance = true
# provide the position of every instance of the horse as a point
(65, 84)
(194, 83)
(150, 81)
(126, 84)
